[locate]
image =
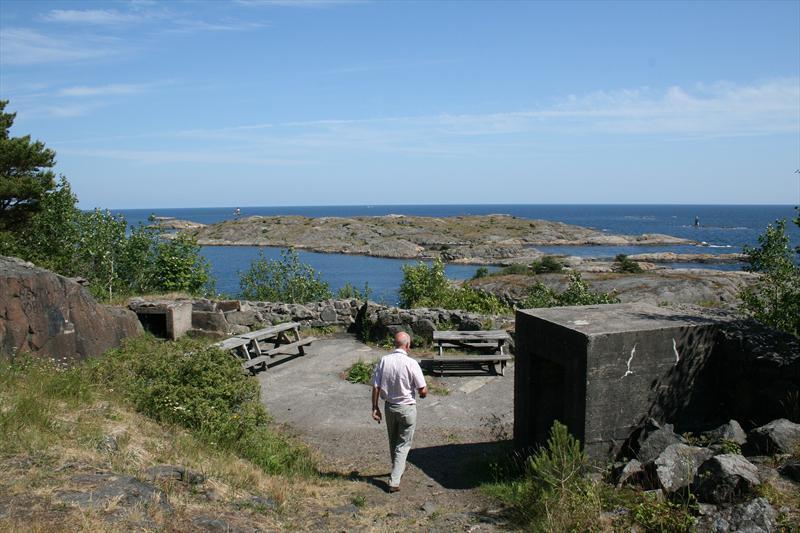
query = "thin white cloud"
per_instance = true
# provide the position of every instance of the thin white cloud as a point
(299, 3)
(184, 156)
(21, 46)
(98, 17)
(104, 90)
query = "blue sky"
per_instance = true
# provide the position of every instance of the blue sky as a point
(250, 102)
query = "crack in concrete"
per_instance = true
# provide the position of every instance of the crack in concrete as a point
(629, 372)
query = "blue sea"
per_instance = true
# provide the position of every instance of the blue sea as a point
(722, 229)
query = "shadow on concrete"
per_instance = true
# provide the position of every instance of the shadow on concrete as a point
(460, 466)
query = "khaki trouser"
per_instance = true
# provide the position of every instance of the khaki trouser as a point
(401, 420)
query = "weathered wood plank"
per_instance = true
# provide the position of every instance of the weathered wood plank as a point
(471, 358)
(269, 332)
(231, 343)
(495, 335)
(283, 347)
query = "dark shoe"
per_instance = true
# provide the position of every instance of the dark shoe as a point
(394, 489)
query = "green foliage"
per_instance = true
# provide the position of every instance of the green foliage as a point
(204, 390)
(654, 515)
(285, 280)
(348, 291)
(25, 175)
(481, 272)
(361, 372)
(179, 265)
(774, 298)
(623, 264)
(427, 286)
(728, 446)
(576, 293)
(516, 268)
(547, 264)
(558, 464)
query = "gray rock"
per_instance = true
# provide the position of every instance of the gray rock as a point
(471, 324)
(631, 473)
(654, 439)
(95, 490)
(424, 327)
(724, 478)
(328, 315)
(349, 509)
(259, 503)
(779, 436)
(754, 516)
(208, 523)
(429, 507)
(229, 305)
(108, 444)
(203, 304)
(210, 321)
(175, 472)
(791, 470)
(731, 432)
(676, 466)
(242, 318)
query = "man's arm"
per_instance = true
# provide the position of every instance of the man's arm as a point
(423, 391)
(376, 411)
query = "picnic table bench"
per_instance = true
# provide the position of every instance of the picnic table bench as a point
(260, 346)
(491, 340)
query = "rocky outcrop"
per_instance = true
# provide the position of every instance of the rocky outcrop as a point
(49, 315)
(465, 239)
(670, 286)
(779, 436)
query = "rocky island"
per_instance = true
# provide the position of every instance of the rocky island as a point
(487, 239)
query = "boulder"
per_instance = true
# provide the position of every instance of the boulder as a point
(791, 470)
(631, 473)
(654, 439)
(676, 466)
(49, 315)
(209, 321)
(724, 478)
(779, 436)
(174, 472)
(730, 432)
(424, 327)
(242, 318)
(95, 491)
(328, 315)
(754, 516)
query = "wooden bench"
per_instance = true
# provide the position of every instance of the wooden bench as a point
(255, 349)
(491, 340)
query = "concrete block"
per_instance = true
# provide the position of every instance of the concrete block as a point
(602, 369)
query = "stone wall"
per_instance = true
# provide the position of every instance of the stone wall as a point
(49, 315)
(375, 321)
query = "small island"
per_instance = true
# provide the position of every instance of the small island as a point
(486, 239)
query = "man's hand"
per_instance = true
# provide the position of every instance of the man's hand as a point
(376, 415)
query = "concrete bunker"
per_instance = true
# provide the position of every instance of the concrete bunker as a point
(602, 370)
(166, 319)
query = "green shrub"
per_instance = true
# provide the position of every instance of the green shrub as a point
(655, 515)
(516, 268)
(774, 298)
(623, 264)
(427, 286)
(348, 291)
(361, 372)
(203, 389)
(481, 272)
(576, 293)
(547, 264)
(284, 280)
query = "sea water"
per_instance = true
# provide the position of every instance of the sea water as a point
(722, 229)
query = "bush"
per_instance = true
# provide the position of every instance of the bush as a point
(576, 293)
(482, 272)
(203, 389)
(427, 286)
(547, 264)
(774, 299)
(361, 372)
(95, 245)
(348, 291)
(629, 266)
(515, 268)
(285, 280)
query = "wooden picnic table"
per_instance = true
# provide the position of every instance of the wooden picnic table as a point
(489, 340)
(255, 347)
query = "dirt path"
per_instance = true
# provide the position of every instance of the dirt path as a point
(455, 434)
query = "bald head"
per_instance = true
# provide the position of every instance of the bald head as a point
(402, 340)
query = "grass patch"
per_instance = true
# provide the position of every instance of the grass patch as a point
(361, 372)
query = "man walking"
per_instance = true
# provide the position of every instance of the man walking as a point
(397, 377)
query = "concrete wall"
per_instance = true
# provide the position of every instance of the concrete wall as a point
(602, 369)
